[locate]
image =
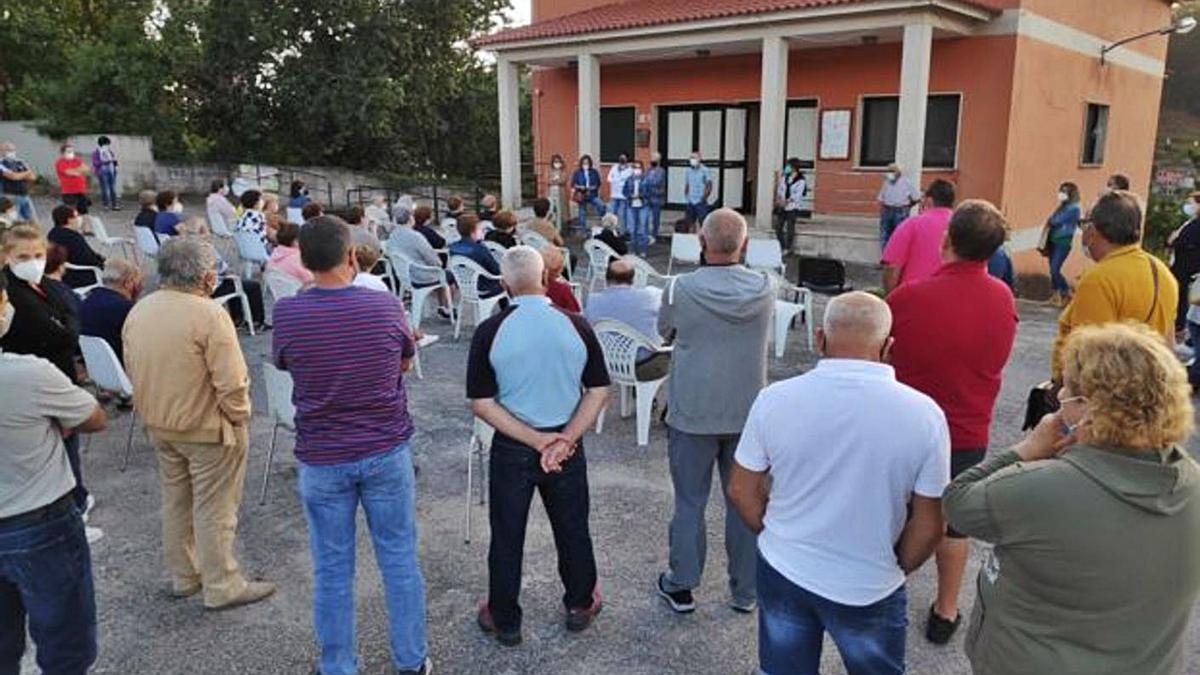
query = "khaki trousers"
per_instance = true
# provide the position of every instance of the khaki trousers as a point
(201, 492)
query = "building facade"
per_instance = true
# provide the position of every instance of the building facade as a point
(1007, 98)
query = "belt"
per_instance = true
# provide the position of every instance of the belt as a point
(54, 509)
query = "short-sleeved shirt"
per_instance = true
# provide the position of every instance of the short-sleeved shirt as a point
(254, 222)
(847, 446)
(343, 348)
(535, 360)
(36, 403)
(13, 187)
(697, 178)
(916, 246)
(898, 193)
(70, 185)
(954, 333)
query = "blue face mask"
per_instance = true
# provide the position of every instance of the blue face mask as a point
(787, 169)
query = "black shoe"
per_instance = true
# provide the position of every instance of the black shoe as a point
(939, 630)
(425, 669)
(681, 602)
(580, 619)
(488, 625)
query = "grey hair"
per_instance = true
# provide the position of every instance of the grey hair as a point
(724, 231)
(117, 271)
(402, 213)
(522, 266)
(858, 316)
(184, 261)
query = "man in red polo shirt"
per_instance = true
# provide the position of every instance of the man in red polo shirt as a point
(954, 333)
(914, 251)
(72, 179)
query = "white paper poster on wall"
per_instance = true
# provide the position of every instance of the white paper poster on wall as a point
(835, 134)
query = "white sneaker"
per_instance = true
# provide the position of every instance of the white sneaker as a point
(88, 506)
(94, 534)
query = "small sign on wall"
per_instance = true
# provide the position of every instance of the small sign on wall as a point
(835, 134)
(642, 138)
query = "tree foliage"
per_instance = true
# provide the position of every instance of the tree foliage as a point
(367, 84)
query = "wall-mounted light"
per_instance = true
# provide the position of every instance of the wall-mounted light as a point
(1181, 26)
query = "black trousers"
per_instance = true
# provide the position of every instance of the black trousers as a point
(785, 229)
(515, 473)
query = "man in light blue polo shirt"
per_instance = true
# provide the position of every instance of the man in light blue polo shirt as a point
(537, 375)
(699, 186)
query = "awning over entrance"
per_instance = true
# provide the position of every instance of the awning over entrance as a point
(669, 29)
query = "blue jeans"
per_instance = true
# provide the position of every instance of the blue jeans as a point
(1058, 256)
(639, 223)
(792, 623)
(695, 213)
(108, 186)
(384, 485)
(24, 206)
(890, 218)
(594, 202)
(46, 578)
(620, 208)
(655, 217)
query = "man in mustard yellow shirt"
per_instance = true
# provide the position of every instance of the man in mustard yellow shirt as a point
(1126, 284)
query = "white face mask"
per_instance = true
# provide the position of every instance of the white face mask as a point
(891, 177)
(69, 154)
(694, 162)
(637, 172)
(6, 318)
(29, 271)
(1062, 196)
(224, 191)
(1190, 209)
(177, 208)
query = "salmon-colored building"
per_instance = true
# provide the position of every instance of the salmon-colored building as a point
(1007, 98)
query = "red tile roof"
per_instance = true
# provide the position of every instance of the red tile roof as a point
(646, 13)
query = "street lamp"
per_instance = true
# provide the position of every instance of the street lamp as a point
(1180, 26)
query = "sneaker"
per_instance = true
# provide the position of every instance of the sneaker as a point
(425, 669)
(488, 625)
(579, 619)
(94, 534)
(254, 592)
(681, 602)
(445, 313)
(88, 506)
(743, 607)
(939, 630)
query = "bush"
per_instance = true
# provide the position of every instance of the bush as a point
(1164, 215)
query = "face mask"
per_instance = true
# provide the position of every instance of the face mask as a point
(1062, 196)
(891, 177)
(6, 318)
(10, 216)
(694, 162)
(30, 271)
(622, 161)
(177, 208)
(1190, 209)
(557, 165)
(224, 191)
(787, 169)
(69, 154)
(637, 172)
(586, 165)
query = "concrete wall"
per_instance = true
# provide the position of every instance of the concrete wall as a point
(135, 153)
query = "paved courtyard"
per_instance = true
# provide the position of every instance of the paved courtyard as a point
(143, 632)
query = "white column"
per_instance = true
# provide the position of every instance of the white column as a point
(508, 85)
(771, 117)
(589, 107)
(914, 100)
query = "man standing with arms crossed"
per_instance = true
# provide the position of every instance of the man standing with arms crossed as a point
(537, 375)
(954, 333)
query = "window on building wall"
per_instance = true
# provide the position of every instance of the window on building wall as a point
(878, 131)
(617, 132)
(1095, 132)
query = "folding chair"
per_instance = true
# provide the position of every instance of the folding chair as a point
(685, 248)
(468, 273)
(621, 343)
(282, 413)
(107, 372)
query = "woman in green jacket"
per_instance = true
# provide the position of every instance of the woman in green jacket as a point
(1094, 518)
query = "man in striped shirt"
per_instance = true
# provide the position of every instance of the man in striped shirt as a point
(347, 348)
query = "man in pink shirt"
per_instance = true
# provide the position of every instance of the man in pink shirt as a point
(914, 252)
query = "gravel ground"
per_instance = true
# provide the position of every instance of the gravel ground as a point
(142, 632)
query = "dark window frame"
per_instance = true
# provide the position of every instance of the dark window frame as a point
(879, 158)
(1096, 118)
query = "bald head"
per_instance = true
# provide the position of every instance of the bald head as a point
(620, 273)
(723, 236)
(856, 326)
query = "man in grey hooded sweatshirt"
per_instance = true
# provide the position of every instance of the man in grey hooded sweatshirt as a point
(719, 318)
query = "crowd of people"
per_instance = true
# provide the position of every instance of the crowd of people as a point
(838, 483)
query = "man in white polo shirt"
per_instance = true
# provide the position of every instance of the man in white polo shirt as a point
(840, 472)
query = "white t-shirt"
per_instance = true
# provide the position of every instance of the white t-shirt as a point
(616, 180)
(368, 280)
(846, 446)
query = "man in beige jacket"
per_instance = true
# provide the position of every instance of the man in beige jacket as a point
(192, 390)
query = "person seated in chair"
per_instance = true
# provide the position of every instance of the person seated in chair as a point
(635, 307)
(557, 290)
(197, 227)
(505, 232)
(104, 310)
(470, 228)
(607, 233)
(68, 233)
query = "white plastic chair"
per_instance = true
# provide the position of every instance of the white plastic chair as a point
(280, 284)
(468, 273)
(404, 268)
(496, 250)
(217, 224)
(685, 248)
(252, 252)
(764, 254)
(146, 241)
(787, 310)
(644, 273)
(598, 254)
(477, 450)
(82, 291)
(281, 411)
(621, 343)
(295, 215)
(106, 371)
(239, 294)
(125, 245)
(531, 238)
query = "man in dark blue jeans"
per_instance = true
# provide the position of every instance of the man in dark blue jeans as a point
(537, 375)
(45, 563)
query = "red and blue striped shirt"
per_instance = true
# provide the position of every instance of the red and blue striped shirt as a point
(343, 348)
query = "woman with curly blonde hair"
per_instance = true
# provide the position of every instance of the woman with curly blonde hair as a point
(1095, 518)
